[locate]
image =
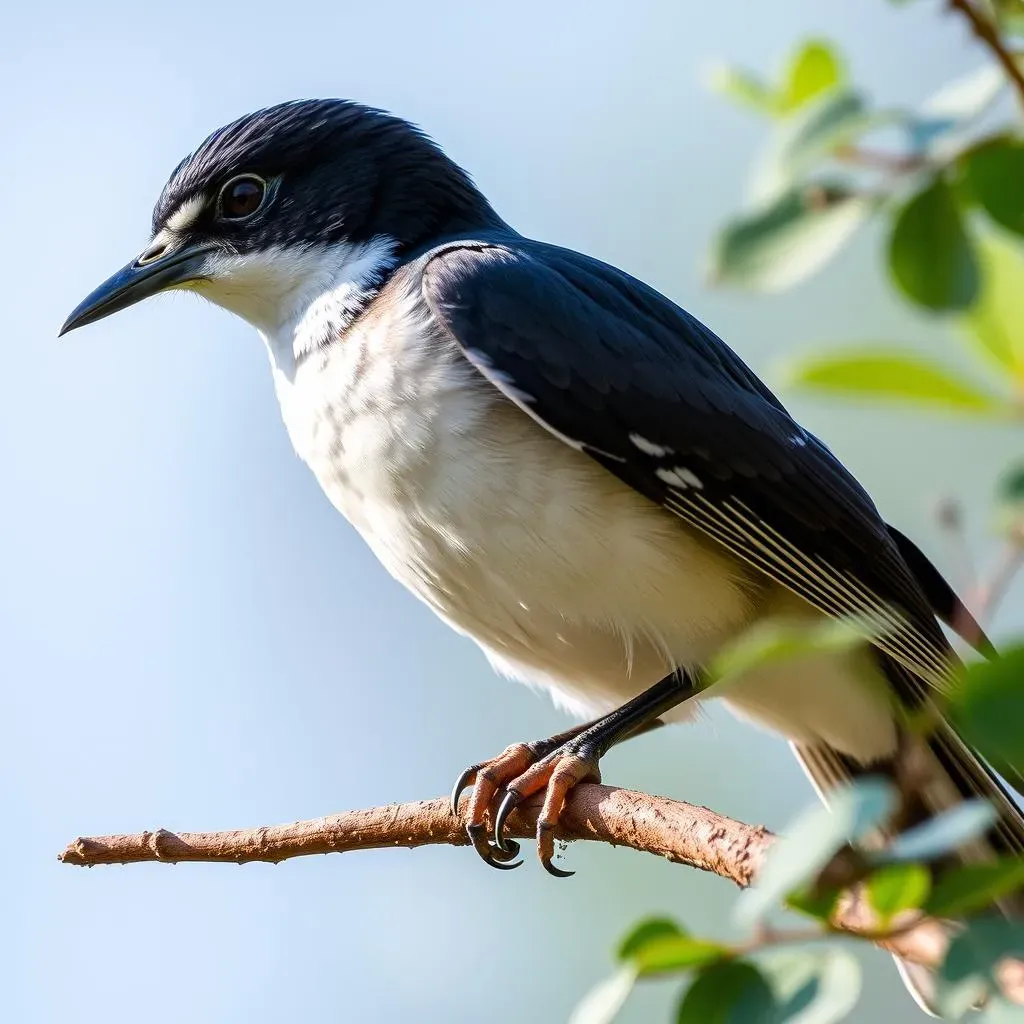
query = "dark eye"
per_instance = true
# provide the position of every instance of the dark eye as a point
(241, 197)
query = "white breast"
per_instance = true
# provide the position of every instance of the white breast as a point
(565, 576)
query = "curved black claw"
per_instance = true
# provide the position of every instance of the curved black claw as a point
(551, 869)
(461, 785)
(511, 801)
(503, 865)
(489, 852)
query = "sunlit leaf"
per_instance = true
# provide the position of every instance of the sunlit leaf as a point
(995, 323)
(995, 175)
(645, 931)
(987, 707)
(967, 888)
(677, 953)
(776, 640)
(893, 375)
(734, 992)
(777, 246)
(968, 970)
(812, 841)
(930, 255)
(603, 1002)
(821, 906)
(942, 834)
(814, 68)
(895, 888)
(1010, 16)
(812, 986)
(742, 87)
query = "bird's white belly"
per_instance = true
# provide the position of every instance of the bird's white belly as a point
(565, 576)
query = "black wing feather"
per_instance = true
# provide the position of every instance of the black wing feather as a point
(618, 370)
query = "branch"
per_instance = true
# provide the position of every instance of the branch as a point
(985, 597)
(680, 832)
(988, 34)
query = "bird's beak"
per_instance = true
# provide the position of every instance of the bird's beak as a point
(156, 270)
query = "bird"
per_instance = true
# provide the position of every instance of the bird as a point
(565, 465)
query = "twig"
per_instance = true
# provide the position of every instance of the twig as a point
(680, 832)
(988, 34)
(986, 595)
(949, 513)
(876, 159)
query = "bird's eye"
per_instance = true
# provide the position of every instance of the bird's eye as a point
(241, 197)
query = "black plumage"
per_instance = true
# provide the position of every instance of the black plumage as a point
(647, 390)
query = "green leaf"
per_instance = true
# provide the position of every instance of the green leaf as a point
(967, 973)
(1010, 489)
(812, 841)
(995, 175)
(898, 887)
(995, 323)
(742, 87)
(603, 1002)
(677, 953)
(820, 906)
(812, 987)
(814, 68)
(886, 374)
(971, 887)
(931, 257)
(734, 992)
(941, 834)
(778, 245)
(987, 708)
(643, 932)
(1010, 16)
(776, 640)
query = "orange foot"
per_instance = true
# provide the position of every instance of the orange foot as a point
(518, 771)
(554, 766)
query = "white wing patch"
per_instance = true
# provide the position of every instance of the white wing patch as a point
(658, 451)
(681, 477)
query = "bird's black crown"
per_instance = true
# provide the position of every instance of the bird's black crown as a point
(337, 171)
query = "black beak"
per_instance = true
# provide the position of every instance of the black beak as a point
(156, 270)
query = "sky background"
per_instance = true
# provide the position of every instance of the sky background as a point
(191, 637)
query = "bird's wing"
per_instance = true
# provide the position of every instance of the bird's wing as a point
(618, 371)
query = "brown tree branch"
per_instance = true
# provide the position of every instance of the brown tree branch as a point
(988, 34)
(680, 832)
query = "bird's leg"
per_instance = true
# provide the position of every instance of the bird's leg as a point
(556, 765)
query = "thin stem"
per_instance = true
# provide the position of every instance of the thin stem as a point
(894, 163)
(987, 595)
(988, 34)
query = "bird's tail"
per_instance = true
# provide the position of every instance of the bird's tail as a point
(940, 771)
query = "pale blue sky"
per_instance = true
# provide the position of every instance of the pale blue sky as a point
(191, 637)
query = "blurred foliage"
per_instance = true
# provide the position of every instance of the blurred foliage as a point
(946, 181)
(800, 975)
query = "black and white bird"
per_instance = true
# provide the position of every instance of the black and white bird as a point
(565, 465)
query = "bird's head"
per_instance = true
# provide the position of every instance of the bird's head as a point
(268, 207)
